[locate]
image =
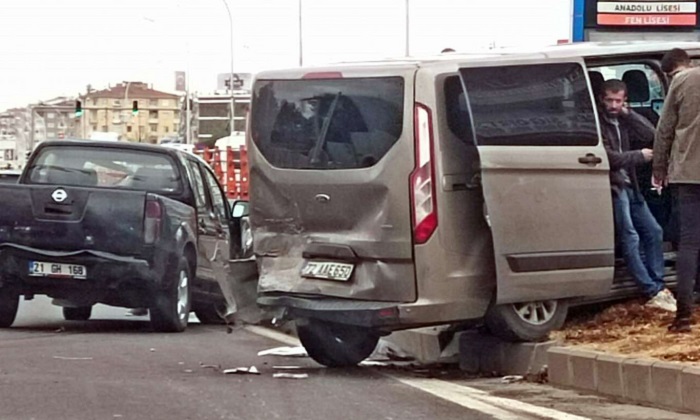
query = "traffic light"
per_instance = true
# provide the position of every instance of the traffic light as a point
(135, 108)
(78, 109)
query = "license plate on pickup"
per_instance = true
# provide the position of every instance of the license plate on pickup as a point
(48, 269)
(327, 270)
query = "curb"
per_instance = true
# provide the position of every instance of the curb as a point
(481, 353)
(667, 384)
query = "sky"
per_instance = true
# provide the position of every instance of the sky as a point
(58, 47)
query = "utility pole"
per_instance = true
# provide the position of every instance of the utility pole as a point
(301, 45)
(408, 28)
(230, 21)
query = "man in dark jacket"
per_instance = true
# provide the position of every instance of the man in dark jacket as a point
(637, 231)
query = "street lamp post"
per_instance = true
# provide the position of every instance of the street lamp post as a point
(230, 20)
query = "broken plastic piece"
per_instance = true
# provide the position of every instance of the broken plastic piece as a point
(285, 352)
(242, 370)
(290, 375)
(512, 379)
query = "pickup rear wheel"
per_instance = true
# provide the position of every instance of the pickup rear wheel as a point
(336, 345)
(530, 321)
(81, 313)
(171, 307)
(9, 302)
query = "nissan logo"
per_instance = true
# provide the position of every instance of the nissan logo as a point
(59, 195)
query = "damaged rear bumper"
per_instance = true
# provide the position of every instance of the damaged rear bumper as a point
(108, 275)
(361, 313)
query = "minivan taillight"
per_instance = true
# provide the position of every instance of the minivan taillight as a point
(152, 221)
(425, 218)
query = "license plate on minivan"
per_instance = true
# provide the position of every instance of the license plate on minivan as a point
(47, 269)
(327, 270)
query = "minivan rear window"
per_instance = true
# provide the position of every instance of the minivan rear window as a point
(327, 123)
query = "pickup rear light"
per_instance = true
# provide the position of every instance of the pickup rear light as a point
(152, 221)
(423, 198)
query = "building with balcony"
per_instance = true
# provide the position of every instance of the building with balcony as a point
(110, 110)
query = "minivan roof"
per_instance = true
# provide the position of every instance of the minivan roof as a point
(562, 51)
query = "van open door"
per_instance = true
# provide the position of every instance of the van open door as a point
(545, 178)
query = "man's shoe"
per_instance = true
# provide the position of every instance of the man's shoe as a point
(668, 296)
(680, 325)
(661, 301)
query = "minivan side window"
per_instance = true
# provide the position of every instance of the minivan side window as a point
(457, 111)
(531, 105)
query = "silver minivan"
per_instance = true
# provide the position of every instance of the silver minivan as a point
(453, 189)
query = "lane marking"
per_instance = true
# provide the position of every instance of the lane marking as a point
(453, 395)
(462, 393)
(472, 398)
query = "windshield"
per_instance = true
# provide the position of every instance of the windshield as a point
(327, 124)
(104, 168)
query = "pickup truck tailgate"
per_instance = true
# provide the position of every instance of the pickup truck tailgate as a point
(72, 218)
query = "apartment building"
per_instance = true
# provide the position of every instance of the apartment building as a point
(110, 110)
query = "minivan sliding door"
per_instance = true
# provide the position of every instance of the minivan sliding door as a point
(544, 175)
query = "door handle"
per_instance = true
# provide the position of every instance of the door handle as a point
(590, 159)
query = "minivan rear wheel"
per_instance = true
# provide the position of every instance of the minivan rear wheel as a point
(336, 345)
(528, 321)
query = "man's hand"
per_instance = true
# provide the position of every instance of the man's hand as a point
(659, 181)
(625, 110)
(648, 155)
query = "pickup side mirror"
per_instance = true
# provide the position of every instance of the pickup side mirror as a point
(239, 209)
(241, 234)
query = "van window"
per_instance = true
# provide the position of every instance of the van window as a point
(531, 105)
(327, 124)
(456, 109)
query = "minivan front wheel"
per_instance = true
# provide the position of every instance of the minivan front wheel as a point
(336, 345)
(528, 321)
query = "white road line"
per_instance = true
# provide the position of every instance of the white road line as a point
(465, 396)
(472, 398)
(454, 396)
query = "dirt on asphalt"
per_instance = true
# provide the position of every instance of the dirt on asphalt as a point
(632, 329)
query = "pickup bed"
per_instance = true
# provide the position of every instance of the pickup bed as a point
(121, 224)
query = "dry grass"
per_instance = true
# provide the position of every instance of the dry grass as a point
(633, 329)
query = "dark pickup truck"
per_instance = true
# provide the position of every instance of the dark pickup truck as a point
(130, 225)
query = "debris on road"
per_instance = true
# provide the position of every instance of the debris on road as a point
(215, 367)
(60, 330)
(288, 367)
(290, 375)
(72, 358)
(285, 352)
(388, 351)
(511, 379)
(634, 329)
(152, 350)
(242, 370)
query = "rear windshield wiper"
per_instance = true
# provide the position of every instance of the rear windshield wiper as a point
(314, 158)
